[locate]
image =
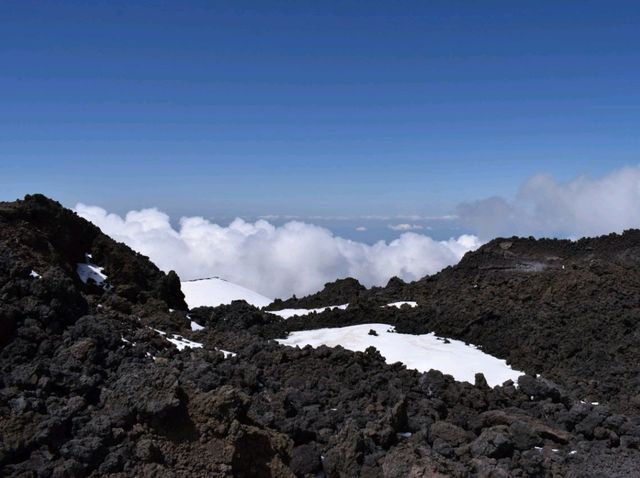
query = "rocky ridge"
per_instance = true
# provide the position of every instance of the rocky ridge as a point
(569, 310)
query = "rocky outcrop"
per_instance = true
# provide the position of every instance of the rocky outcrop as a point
(41, 235)
(341, 291)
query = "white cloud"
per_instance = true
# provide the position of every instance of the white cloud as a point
(365, 217)
(417, 217)
(404, 227)
(361, 228)
(581, 207)
(295, 258)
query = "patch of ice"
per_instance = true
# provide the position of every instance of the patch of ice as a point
(288, 313)
(410, 303)
(215, 291)
(181, 343)
(405, 434)
(91, 271)
(420, 352)
(35, 275)
(195, 326)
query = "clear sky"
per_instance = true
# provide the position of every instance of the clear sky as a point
(312, 108)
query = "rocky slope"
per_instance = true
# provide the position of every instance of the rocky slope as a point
(567, 310)
(98, 380)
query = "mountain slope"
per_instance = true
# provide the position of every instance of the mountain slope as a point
(569, 310)
(109, 379)
(43, 234)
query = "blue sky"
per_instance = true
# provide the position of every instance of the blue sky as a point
(312, 108)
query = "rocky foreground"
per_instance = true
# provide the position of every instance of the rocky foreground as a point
(110, 378)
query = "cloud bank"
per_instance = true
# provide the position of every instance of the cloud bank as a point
(298, 258)
(405, 227)
(546, 207)
(295, 258)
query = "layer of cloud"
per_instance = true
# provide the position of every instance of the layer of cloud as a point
(366, 217)
(405, 227)
(295, 258)
(546, 207)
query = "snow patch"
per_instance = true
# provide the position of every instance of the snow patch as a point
(420, 352)
(181, 343)
(288, 313)
(410, 303)
(195, 326)
(88, 271)
(215, 291)
(35, 275)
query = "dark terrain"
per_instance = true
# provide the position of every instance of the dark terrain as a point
(89, 388)
(567, 310)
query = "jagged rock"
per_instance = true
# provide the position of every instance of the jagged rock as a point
(498, 417)
(524, 436)
(493, 443)
(450, 433)
(147, 451)
(342, 291)
(416, 462)
(541, 388)
(306, 460)
(346, 452)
